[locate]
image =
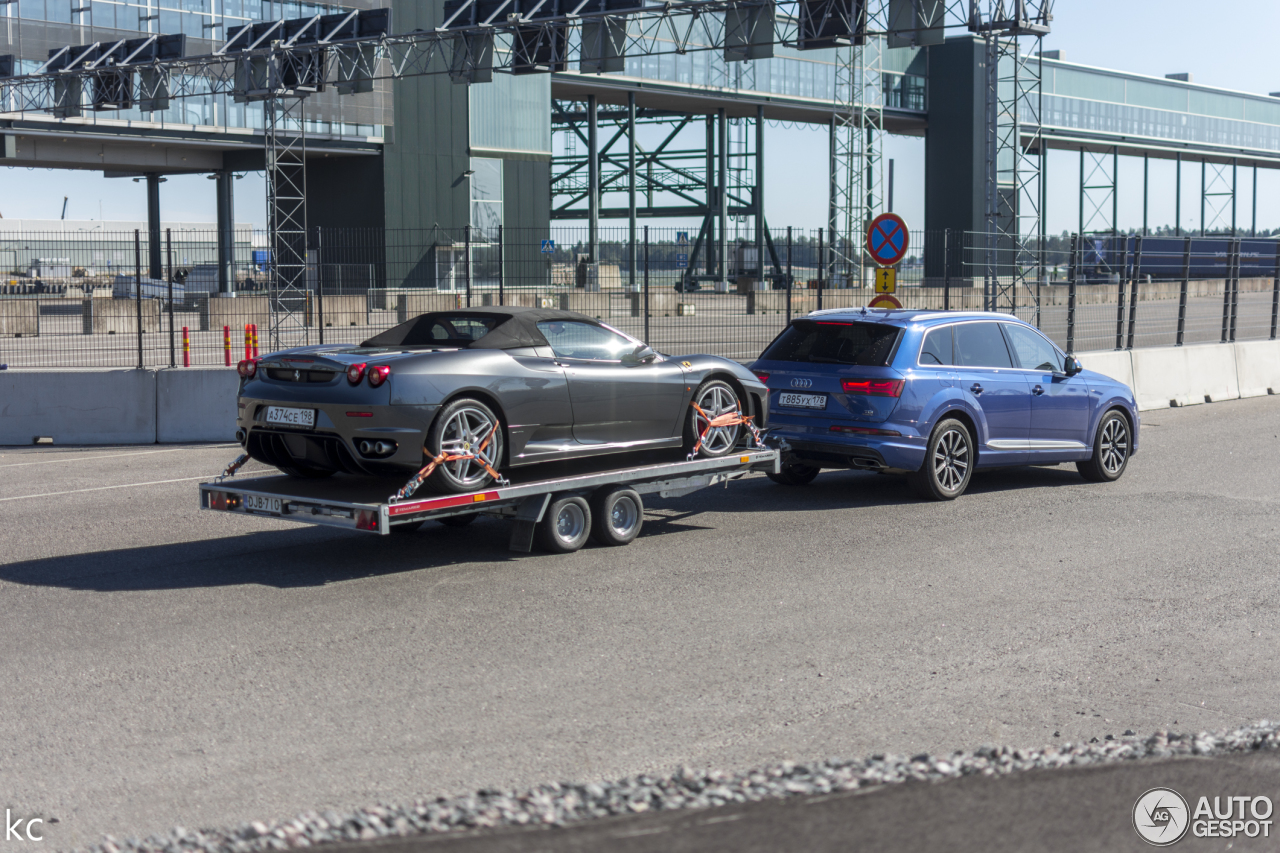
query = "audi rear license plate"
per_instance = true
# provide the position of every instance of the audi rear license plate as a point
(802, 401)
(259, 503)
(287, 416)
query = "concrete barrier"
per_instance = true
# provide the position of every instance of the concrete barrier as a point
(1117, 364)
(78, 406)
(19, 317)
(120, 316)
(1184, 376)
(196, 404)
(412, 304)
(235, 312)
(1258, 367)
(338, 311)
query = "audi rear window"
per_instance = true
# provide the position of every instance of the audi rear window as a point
(835, 342)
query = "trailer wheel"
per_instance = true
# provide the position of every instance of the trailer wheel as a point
(617, 514)
(458, 520)
(565, 526)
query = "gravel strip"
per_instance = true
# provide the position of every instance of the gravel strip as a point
(562, 803)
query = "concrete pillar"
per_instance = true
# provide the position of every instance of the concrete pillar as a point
(154, 264)
(593, 181)
(226, 231)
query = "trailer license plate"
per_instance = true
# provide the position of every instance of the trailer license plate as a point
(259, 503)
(803, 401)
(291, 417)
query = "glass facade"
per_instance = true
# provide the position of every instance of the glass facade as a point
(24, 31)
(1108, 102)
(486, 198)
(513, 113)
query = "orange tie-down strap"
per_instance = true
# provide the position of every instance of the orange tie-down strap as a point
(726, 420)
(234, 466)
(443, 458)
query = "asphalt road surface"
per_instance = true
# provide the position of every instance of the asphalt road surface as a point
(165, 666)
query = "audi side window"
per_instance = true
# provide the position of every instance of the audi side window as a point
(1032, 350)
(936, 349)
(981, 345)
(570, 339)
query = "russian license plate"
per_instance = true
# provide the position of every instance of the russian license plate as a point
(803, 401)
(261, 503)
(291, 417)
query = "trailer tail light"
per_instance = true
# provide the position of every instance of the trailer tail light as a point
(224, 500)
(763, 377)
(873, 387)
(355, 373)
(366, 519)
(378, 374)
(247, 368)
(853, 430)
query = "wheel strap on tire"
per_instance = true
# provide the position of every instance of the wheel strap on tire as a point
(443, 458)
(728, 419)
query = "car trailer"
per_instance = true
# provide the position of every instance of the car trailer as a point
(561, 512)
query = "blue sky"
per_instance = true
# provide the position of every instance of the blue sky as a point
(1232, 50)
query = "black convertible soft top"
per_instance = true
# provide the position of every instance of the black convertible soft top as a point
(509, 327)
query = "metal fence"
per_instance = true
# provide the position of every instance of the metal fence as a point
(92, 303)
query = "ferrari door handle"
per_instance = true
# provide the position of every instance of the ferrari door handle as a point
(976, 388)
(1037, 390)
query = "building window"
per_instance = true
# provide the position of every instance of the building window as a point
(486, 198)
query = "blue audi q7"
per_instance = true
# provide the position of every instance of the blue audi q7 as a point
(937, 395)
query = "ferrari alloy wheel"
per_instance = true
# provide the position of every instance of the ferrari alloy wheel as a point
(948, 463)
(617, 514)
(469, 429)
(714, 398)
(1110, 450)
(565, 525)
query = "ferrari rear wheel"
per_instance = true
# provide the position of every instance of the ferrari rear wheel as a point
(714, 397)
(468, 428)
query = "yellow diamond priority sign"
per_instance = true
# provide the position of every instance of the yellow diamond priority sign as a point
(886, 280)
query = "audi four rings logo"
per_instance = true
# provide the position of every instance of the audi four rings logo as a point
(801, 383)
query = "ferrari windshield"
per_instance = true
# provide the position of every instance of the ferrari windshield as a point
(443, 329)
(834, 342)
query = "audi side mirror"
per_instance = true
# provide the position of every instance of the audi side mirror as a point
(1073, 366)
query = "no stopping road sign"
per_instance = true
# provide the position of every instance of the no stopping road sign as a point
(887, 239)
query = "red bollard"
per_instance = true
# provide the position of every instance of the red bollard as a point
(186, 347)
(226, 345)
(248, 347)
(254, 326)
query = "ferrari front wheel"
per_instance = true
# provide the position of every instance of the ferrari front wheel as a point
(713, 399)
(469, 435)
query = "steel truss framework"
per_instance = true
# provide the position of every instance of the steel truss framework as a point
(1014, 197)
(287, 206)
(1099, 194)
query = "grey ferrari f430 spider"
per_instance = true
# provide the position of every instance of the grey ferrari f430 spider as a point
(483, 390)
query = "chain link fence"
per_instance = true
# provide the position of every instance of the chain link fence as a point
(113, 300)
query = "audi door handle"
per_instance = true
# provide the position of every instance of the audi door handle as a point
(1037, 390)
(975, 388)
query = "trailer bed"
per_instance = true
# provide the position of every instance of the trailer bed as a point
(364, 503)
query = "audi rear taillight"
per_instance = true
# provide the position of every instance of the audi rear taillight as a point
(763, 377)
(873, 387)
(355, 373)
(378, 374)
(247, 368)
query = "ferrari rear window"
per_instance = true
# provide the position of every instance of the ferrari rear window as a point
(834, 342)
(444, 329)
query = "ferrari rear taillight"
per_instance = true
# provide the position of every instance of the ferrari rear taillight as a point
(247, 368)
(873, 387)
(378, 374)
(355, 373)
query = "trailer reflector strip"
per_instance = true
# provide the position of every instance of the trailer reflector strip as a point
(441, 503)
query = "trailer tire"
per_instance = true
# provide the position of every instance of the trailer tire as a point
(617, 514)
(458, 520)
(566, 525)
